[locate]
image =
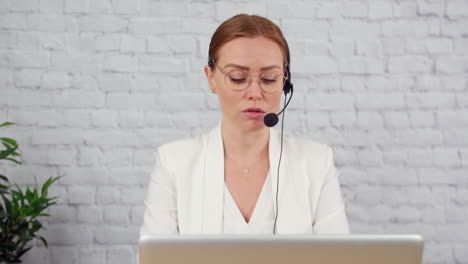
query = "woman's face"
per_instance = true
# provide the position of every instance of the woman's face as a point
(256, 56)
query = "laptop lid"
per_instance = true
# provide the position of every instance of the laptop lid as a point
(289, 249)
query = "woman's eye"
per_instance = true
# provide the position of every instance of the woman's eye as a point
(268, 81)
(237, 80)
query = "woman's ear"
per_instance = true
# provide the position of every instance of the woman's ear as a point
(210, 77)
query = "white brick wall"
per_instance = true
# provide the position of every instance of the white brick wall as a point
(95, 86)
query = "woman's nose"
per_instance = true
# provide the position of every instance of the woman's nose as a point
(254, 89)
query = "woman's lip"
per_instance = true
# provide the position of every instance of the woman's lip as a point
(254, 110)
(254, 115)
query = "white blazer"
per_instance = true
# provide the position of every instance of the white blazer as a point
(185, 193)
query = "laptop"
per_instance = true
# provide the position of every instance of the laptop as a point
(289, 249)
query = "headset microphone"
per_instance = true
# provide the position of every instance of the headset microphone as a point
(272, 119)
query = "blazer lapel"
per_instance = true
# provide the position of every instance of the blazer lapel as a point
(214, 184)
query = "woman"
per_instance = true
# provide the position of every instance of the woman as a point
(227, 181)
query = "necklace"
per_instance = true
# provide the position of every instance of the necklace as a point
(246, 170)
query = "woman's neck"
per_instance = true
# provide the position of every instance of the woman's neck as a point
(241, 145)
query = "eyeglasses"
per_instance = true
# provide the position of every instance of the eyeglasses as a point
(239, 80)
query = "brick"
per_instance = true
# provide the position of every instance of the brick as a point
(183, 44)
(456, 137)
(72, 6)
(89, 215)
(394, 157)
(158, 119)
(456, 9)
(138, 176)
(422, 101)
(75, 63)
(150, 26)
(343, 118)
(455, 28)
(305, 28)
(108, 42)
(131, 119)
(158, 44)
(150, 82)
(435, 176)
(461, 46)
(136, 215)
(421, 119)
(412, 64)
(120, 255)
(380, 101)
(92, 255)
(452, 64)
(61, 214)
(23, 5)
(84, 176)
(380, 10)
(396, 120)
(100, 6)
(203, 26)
(460, 254)
(76, 118)
(63, 254)
(56, 136)
(315, 65)
(370, 158)
(329, 101)
(51, 6)
(361, 65)
(161, 65)
(134, 195)
(29, 59)
(108, 195)
(117, 214)
(13, 21)
(133, 44)
(27, 41)
(129, 100)
(367, 119)
(111, 139)
(104, 118)
(444, 157)
(55, 80)
(79, 195)
(355, 29)
(329, 10)
(28, 78)
(393, 46)
(355, 9)
(394, 176)
(102, 23)
(126, 6)
(111, 235)
(418, 137)
(439, 45)
(68, 235)
(401, 28)
(78, 99)
(120, 63)
(116, 82)
(83, 82)
(434, 8)
(52, 22)
(89, 156)
(161, 9)
(53, 41)
(404, 9)
(449, 119)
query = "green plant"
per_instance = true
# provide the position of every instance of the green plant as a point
(19, 210)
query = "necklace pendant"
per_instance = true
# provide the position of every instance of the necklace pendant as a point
(246, 171)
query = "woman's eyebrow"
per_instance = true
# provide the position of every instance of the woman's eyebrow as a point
(247, 68)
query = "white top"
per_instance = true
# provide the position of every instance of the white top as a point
(186, 190)
(263, 216)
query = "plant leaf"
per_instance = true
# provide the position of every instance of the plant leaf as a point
(9, 141)
(6, 124)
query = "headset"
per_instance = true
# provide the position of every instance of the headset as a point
(272, 119)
